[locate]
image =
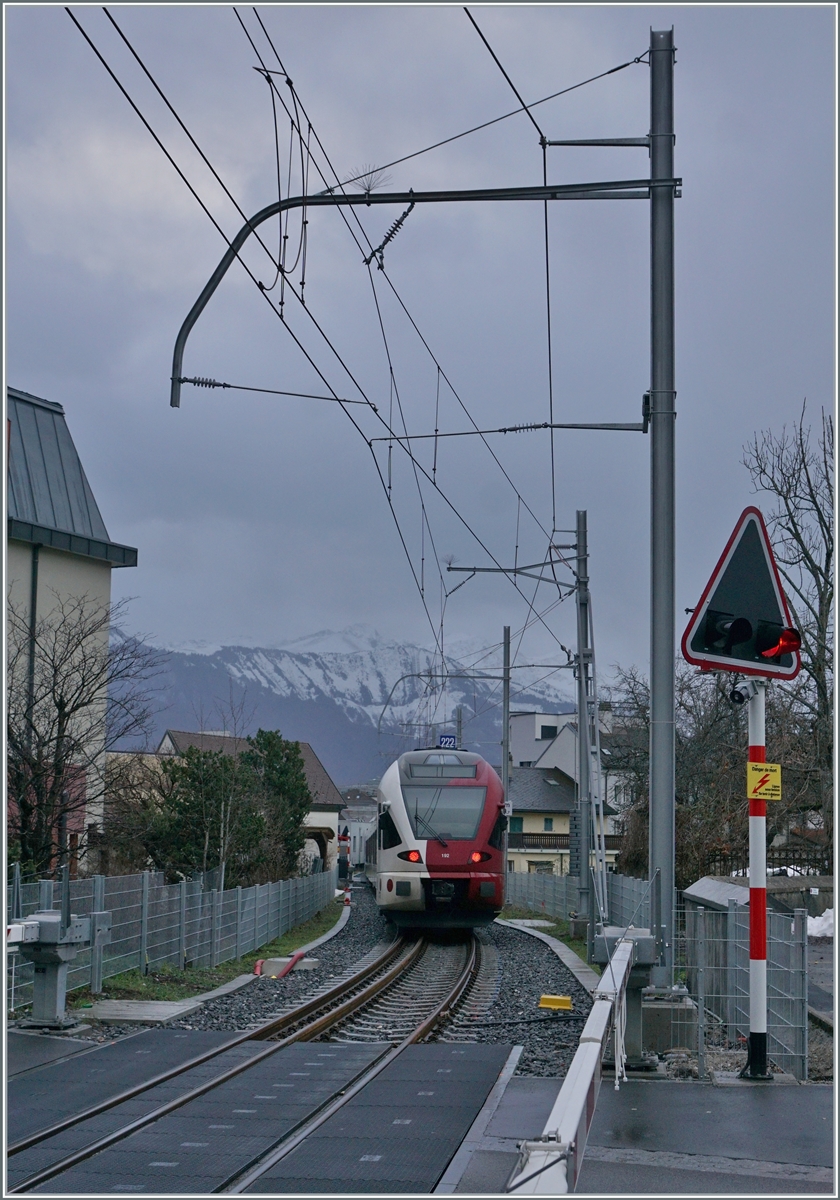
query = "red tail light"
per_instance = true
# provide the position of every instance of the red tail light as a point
(478, 856)
(410, 856)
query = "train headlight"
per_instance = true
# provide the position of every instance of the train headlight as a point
(412, 856)
(478, 856)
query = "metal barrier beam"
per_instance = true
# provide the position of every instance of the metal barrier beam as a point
(550, 1165)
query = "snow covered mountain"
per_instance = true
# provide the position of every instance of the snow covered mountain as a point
(356, 697)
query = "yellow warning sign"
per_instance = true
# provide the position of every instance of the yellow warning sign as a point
(764, 781)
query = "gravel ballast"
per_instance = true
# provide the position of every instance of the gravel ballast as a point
(528, 969)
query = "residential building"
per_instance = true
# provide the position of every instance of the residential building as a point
(58, 550)
(358, 822)
(321, 822)
(542, 801)
(548, 740)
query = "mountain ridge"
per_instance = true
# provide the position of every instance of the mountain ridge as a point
(359, 699)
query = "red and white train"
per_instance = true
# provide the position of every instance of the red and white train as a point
(436, 858)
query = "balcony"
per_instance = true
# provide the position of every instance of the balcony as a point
(552, 841)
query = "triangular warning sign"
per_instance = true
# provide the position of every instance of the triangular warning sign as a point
(742, 622)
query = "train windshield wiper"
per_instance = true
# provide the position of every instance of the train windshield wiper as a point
(435, 835)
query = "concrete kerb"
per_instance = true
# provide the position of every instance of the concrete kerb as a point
(581, 971)
(823, 1019)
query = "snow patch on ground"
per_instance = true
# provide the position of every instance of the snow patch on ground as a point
(822, 926)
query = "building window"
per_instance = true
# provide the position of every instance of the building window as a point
(526, 764)
(547, 731)
(548, 824)
(516, 824)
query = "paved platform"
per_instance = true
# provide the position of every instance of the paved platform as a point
(821, 979)
(675, 1138)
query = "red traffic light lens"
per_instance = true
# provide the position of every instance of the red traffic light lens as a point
(789, 641)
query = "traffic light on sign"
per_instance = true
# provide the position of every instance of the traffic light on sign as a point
(742, 622)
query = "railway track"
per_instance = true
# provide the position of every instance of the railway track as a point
(398, 997)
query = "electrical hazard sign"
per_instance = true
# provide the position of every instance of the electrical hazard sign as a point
(764, 781)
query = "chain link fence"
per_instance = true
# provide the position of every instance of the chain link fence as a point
(180, 924)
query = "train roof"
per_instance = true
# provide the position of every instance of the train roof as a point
(416, 765)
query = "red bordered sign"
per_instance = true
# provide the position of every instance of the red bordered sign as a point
(742, 622)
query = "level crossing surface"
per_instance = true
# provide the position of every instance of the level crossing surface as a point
(46, 1094)
(399, 1133)
(396, 1135)
(26, 1051)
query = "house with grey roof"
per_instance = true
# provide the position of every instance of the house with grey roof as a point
(321, 822)
(543, 806)
(57, 546)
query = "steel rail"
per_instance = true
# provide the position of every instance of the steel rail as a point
(621, 189)
(426, 1026)
(311, 1030)
(262, 1032)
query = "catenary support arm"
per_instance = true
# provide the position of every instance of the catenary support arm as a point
(632, 189)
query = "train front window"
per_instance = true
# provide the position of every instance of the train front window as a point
(444, 813)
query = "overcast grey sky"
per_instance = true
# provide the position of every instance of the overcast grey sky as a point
(260, 519)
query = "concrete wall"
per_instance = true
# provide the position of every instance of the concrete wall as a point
(61, 576)
(58, 573)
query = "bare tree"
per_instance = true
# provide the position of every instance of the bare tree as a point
(796, 469)
(77, 686)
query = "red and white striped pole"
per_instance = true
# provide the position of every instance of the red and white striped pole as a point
(756, 1067)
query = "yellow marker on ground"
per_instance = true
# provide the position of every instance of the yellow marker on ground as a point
(564, 1002)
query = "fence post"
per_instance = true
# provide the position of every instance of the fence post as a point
(96, 952)
(144, 924)
(800, 950)
(731, 971)
(238, 921)
(215, 897)
(182, 924)
(700, 928)
(45, 895)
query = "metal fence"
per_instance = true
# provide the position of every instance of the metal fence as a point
(709, 1009)
(558, 895)
(715, 965)
(155, 924)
